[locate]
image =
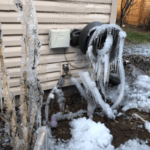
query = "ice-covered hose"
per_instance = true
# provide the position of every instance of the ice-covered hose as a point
(122, 36)
(79, 87)
(48, 101)
(100, 30)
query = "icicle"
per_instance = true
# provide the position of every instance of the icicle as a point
(104, 53)
(1, 102)
(115, 62)
(122, 36)
(106, 67)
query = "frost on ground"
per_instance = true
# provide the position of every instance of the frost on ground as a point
(137, 94)
(140, 49)
(134, 145)
(89, 135)
(137, 86)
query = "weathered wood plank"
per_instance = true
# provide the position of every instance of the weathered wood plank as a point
(16, 40)
(4, 5)
(58, 18)
(51, 6)
(12, 29)
(43, 69)
(14, 62)
(44, 50)
(45, 86)
(83, 1)
(46, 77)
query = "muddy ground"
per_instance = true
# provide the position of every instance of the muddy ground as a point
(122, 128)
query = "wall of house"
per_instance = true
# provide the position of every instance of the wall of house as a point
(51, 15)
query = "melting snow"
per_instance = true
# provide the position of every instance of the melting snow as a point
(88, 135)
(134, 145)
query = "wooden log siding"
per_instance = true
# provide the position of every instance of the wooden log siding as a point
(51, 15)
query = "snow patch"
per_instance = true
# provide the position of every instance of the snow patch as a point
(88, 135)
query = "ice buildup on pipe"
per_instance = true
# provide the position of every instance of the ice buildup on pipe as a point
(31, 90)
(122, 36)
(60, 98)
(7, 94)
(59, 116)
(105, 56)
(91, 86)
(91, 104)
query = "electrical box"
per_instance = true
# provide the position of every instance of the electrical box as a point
(59, 38)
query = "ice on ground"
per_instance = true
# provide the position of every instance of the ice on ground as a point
(120, 114)
(134, 144)
(140, 49)
(88, 135)
(137, 94)
(147, 126)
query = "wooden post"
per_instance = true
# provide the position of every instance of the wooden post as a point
(140, 12)
(113, 11)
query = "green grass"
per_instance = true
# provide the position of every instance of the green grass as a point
(138, 37)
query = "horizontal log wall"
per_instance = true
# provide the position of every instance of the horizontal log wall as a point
(51, 14)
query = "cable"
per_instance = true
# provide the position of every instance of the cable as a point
(72, 65)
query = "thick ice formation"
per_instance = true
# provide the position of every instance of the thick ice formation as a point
(44, 140)
(102, 61)
(89, 135)
(134, 144)
(59, 116)
(91, 104)
(147, 126)
(138, 94)
(90, 86)
(147, 123)
(122, 35)
(60, 98)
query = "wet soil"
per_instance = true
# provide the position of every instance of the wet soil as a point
(122, 129)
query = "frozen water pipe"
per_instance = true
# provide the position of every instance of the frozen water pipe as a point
(103, 45)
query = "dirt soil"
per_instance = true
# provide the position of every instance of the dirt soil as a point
(122, 129)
